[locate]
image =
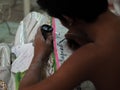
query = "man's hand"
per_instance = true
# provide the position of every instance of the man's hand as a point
(36, 71)
(42, 47)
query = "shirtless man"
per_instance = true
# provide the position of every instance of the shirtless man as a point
(98, 60)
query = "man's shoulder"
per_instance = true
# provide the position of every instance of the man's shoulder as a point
(89, 55)
(87, 50)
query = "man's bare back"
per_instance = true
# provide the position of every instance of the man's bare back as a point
(106, 68)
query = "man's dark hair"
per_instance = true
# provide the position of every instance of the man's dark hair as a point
(87, 10)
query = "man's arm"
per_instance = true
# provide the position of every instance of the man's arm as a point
(72, 73)
(75, 70)
(42, 50)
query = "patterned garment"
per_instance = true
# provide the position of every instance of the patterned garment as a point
(3, 85)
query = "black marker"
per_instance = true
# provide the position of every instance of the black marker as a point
(46, 29)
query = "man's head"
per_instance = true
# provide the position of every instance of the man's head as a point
(86, 10)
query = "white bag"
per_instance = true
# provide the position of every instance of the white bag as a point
(29, 26)
(116, 4)
(23, 48)
(6, 81)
